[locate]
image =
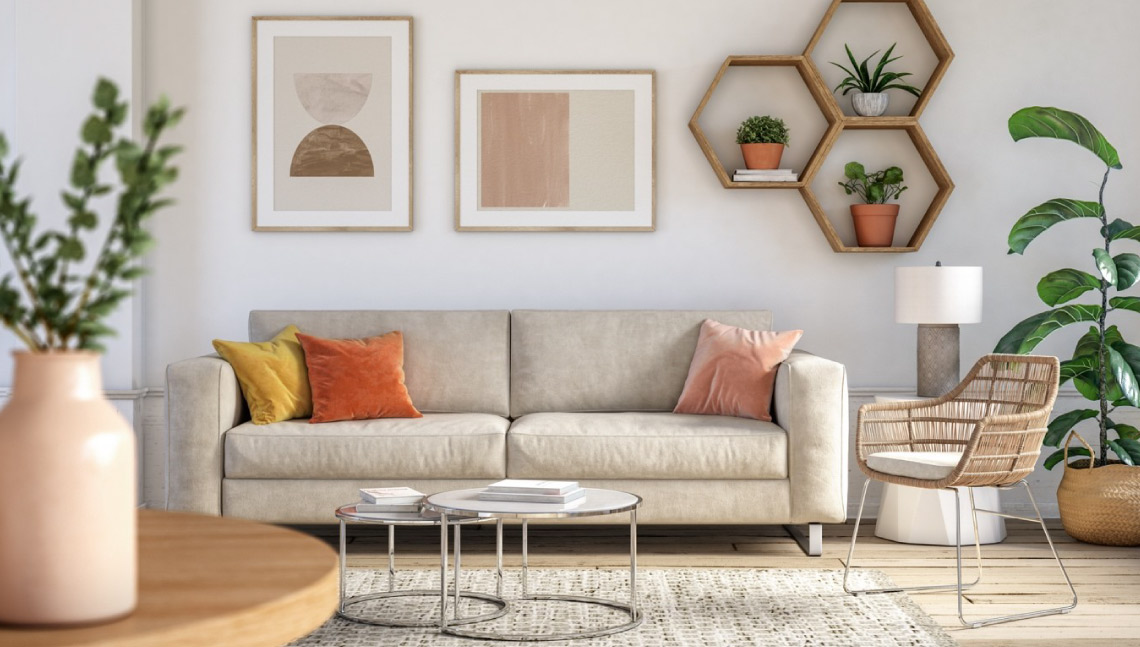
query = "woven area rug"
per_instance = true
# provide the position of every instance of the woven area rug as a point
(682, 606)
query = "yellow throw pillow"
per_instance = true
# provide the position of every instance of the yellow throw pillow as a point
(272, 375)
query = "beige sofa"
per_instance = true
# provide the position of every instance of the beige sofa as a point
(582, 395)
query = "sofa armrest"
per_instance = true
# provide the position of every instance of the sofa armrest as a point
(203, 401)
(810, 404)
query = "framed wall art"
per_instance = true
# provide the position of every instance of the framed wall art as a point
(332, 123)
(554, 150)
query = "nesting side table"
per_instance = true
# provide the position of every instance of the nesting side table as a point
(348, 513)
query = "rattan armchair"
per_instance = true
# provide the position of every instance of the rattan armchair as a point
(987, 431)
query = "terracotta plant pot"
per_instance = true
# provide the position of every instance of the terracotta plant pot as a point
(874, 224)
(762, 156)
(68, 550)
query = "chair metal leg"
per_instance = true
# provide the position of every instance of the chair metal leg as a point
(1030, 614)
(959, 586)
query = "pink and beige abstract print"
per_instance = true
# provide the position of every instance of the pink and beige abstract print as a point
(556, 150)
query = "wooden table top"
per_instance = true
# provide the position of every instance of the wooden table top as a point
(212, 581)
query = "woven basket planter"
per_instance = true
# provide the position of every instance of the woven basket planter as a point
(1100, 505)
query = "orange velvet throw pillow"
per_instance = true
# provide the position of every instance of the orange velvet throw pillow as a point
(357, 379)
(734, 371)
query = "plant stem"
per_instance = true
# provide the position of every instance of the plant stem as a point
(1103, 418)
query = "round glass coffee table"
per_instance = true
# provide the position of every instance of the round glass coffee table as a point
(465, 504)
(347, 513)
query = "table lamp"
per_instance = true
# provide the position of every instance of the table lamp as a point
(938, 298)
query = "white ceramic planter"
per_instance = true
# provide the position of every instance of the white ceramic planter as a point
(869, 104)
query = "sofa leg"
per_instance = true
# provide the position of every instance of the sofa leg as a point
(812, 542)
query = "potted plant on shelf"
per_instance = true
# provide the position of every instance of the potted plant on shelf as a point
(871, 98)
(762, 141)
(1099, 496)
(874, 219)
(67, 458)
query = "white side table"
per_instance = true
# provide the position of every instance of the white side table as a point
(919, 516)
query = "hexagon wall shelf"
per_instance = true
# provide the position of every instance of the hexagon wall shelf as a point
(837, 122)
(827, 106)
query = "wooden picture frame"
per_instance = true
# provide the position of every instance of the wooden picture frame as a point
(555, 150)
(332, 123)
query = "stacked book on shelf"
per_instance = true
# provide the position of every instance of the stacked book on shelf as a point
(765, 175)
(390, 499)
(529, 491)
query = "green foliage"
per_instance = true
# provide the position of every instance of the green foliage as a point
(45, 300)
(873, 188)
(762, 130)
(861, 78)
(1104, 367)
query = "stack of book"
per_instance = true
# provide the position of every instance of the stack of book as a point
(765, 175)
(528, 491)
(390, 499)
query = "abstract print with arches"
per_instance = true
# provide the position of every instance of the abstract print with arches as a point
(332, 150)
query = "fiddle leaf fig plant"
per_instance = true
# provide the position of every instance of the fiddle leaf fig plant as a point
(47, 300)
(1104, 367)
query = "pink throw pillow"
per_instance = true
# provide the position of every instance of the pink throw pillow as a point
(734, 371)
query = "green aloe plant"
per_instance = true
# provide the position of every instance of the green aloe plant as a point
(1104, 367)
(861, 78)
(49, 302)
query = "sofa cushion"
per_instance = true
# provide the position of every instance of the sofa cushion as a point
(455, 445)
(930, 466)
(645, 446)
(617, 360)
(455, 361)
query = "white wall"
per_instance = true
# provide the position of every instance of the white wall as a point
(51, 53)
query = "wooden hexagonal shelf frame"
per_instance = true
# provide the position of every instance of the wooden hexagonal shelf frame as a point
(934, 38)
(819, 93)
(937, 172)
(837, 122)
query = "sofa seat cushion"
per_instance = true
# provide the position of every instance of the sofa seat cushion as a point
(645, 446)
(438, 445)
(929, 466)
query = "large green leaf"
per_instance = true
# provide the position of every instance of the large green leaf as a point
(1044, 216)
(1032, 331)
(1061, 124)
(1105, 265)
(1115, 228)
(1065, 285)
(1127, 270)
(1131, 446)
(1059, 455)
(1087, 385)
(1130, 356)
(1089, 343)
(1125, 303)
(1122, 430)
(1118, 447)
(1125, 376)
(1079, 367)
(1132, 233)
(1063, 423)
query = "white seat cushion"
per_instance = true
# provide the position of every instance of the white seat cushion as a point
(668, 446)
(438, 445)
(928, 466)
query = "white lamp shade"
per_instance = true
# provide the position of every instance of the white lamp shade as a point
(938, 295)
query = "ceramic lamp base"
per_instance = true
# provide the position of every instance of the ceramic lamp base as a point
(939, 369)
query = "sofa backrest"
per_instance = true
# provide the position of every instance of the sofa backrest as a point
(454, 360)
(618, 360)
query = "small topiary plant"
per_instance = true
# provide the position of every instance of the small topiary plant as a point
(762, 130)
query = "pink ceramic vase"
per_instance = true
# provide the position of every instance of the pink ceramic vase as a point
(68, 552)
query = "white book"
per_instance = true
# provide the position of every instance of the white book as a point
(387, 507)
(765, 178)
(533, 498)
(765, 171)
(391, 495)
(528, 486)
